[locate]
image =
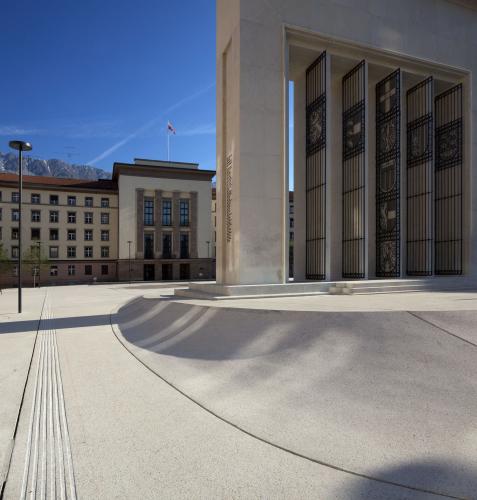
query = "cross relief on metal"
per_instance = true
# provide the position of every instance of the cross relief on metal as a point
(388, 123)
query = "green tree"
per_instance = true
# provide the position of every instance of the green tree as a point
(5, 262)
(35, 260)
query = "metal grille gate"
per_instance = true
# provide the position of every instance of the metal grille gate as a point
(353, 239)
(388, 166)
(316, 169)
(419, 109)
(448, 182)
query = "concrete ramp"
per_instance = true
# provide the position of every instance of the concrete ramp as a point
(382, 394)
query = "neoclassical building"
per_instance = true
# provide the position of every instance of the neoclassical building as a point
(384, 139)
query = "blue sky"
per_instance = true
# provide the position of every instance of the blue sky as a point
(95, 82)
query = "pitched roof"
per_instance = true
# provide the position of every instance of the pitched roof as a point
(100, 184)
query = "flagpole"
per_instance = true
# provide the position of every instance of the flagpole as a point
(168, 145)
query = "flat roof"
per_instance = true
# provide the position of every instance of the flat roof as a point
(45, 182)
(172, 172)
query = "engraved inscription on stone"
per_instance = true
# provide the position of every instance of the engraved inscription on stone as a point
(228, 198)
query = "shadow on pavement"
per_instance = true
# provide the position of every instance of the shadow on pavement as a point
(58, 323)
(456, 480)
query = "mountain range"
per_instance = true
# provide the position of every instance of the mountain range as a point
(52, 168)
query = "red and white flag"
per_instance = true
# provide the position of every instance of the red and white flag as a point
(170, 128)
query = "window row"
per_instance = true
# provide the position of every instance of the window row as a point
(54, 252)
(35, 216)
(35, 234)
(166, 213)
(35, 199)
(166, 245)
(88, 270)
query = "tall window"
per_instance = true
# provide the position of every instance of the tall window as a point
(15, 233)
(148, 212)
(71, 234)
(53, 199)
(104, 202)
(166, 245)
(88, 201)
(15, 197)
(166, 212)
(148, 245)
(15, 253)
(54, 234)
(54, 252)
(104, 269)
(72, 200)
(88, 252)
(184, 245)
(104, 235)
(35, 198)
(15, 215)
(71, 270)
(88, 217)
(105, 252)
(88, 235)
(71, 252)
(104, 218)
(35, 216)
(72, 217)
(53, 270)
(184, 212)
(88, 270)
(35, 233)
(54, 217)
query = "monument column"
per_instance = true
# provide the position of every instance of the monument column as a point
(158, 223)
(175, 224)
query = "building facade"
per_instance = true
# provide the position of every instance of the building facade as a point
(384, 139)
(161, 210)
(165, 214)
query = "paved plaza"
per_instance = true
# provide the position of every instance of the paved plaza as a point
(133, 393)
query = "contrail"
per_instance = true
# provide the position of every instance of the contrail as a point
(150, 123)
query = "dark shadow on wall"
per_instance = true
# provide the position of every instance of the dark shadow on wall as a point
(444, 480)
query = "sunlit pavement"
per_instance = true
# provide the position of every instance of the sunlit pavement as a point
(223, 403)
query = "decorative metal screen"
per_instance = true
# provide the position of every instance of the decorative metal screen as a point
(419, 178)
(388, 165)
(316, 169)
(448, 182)
(354, 96)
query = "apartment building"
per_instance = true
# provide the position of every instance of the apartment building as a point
(150, 222)
(72, 221)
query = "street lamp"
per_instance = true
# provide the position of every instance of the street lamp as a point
(39, 262)
(129, 259)
(20, 146)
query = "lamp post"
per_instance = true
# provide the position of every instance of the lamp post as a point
(39, 262)
(20, 146)
(129, 259)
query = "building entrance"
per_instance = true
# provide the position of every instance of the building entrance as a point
(149, 272)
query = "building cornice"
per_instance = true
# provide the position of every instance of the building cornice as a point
(55, 187)
(161, 172)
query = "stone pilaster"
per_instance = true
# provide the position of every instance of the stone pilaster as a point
(139, 223)
(176, 251)
(193, 214)
(158, 223)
